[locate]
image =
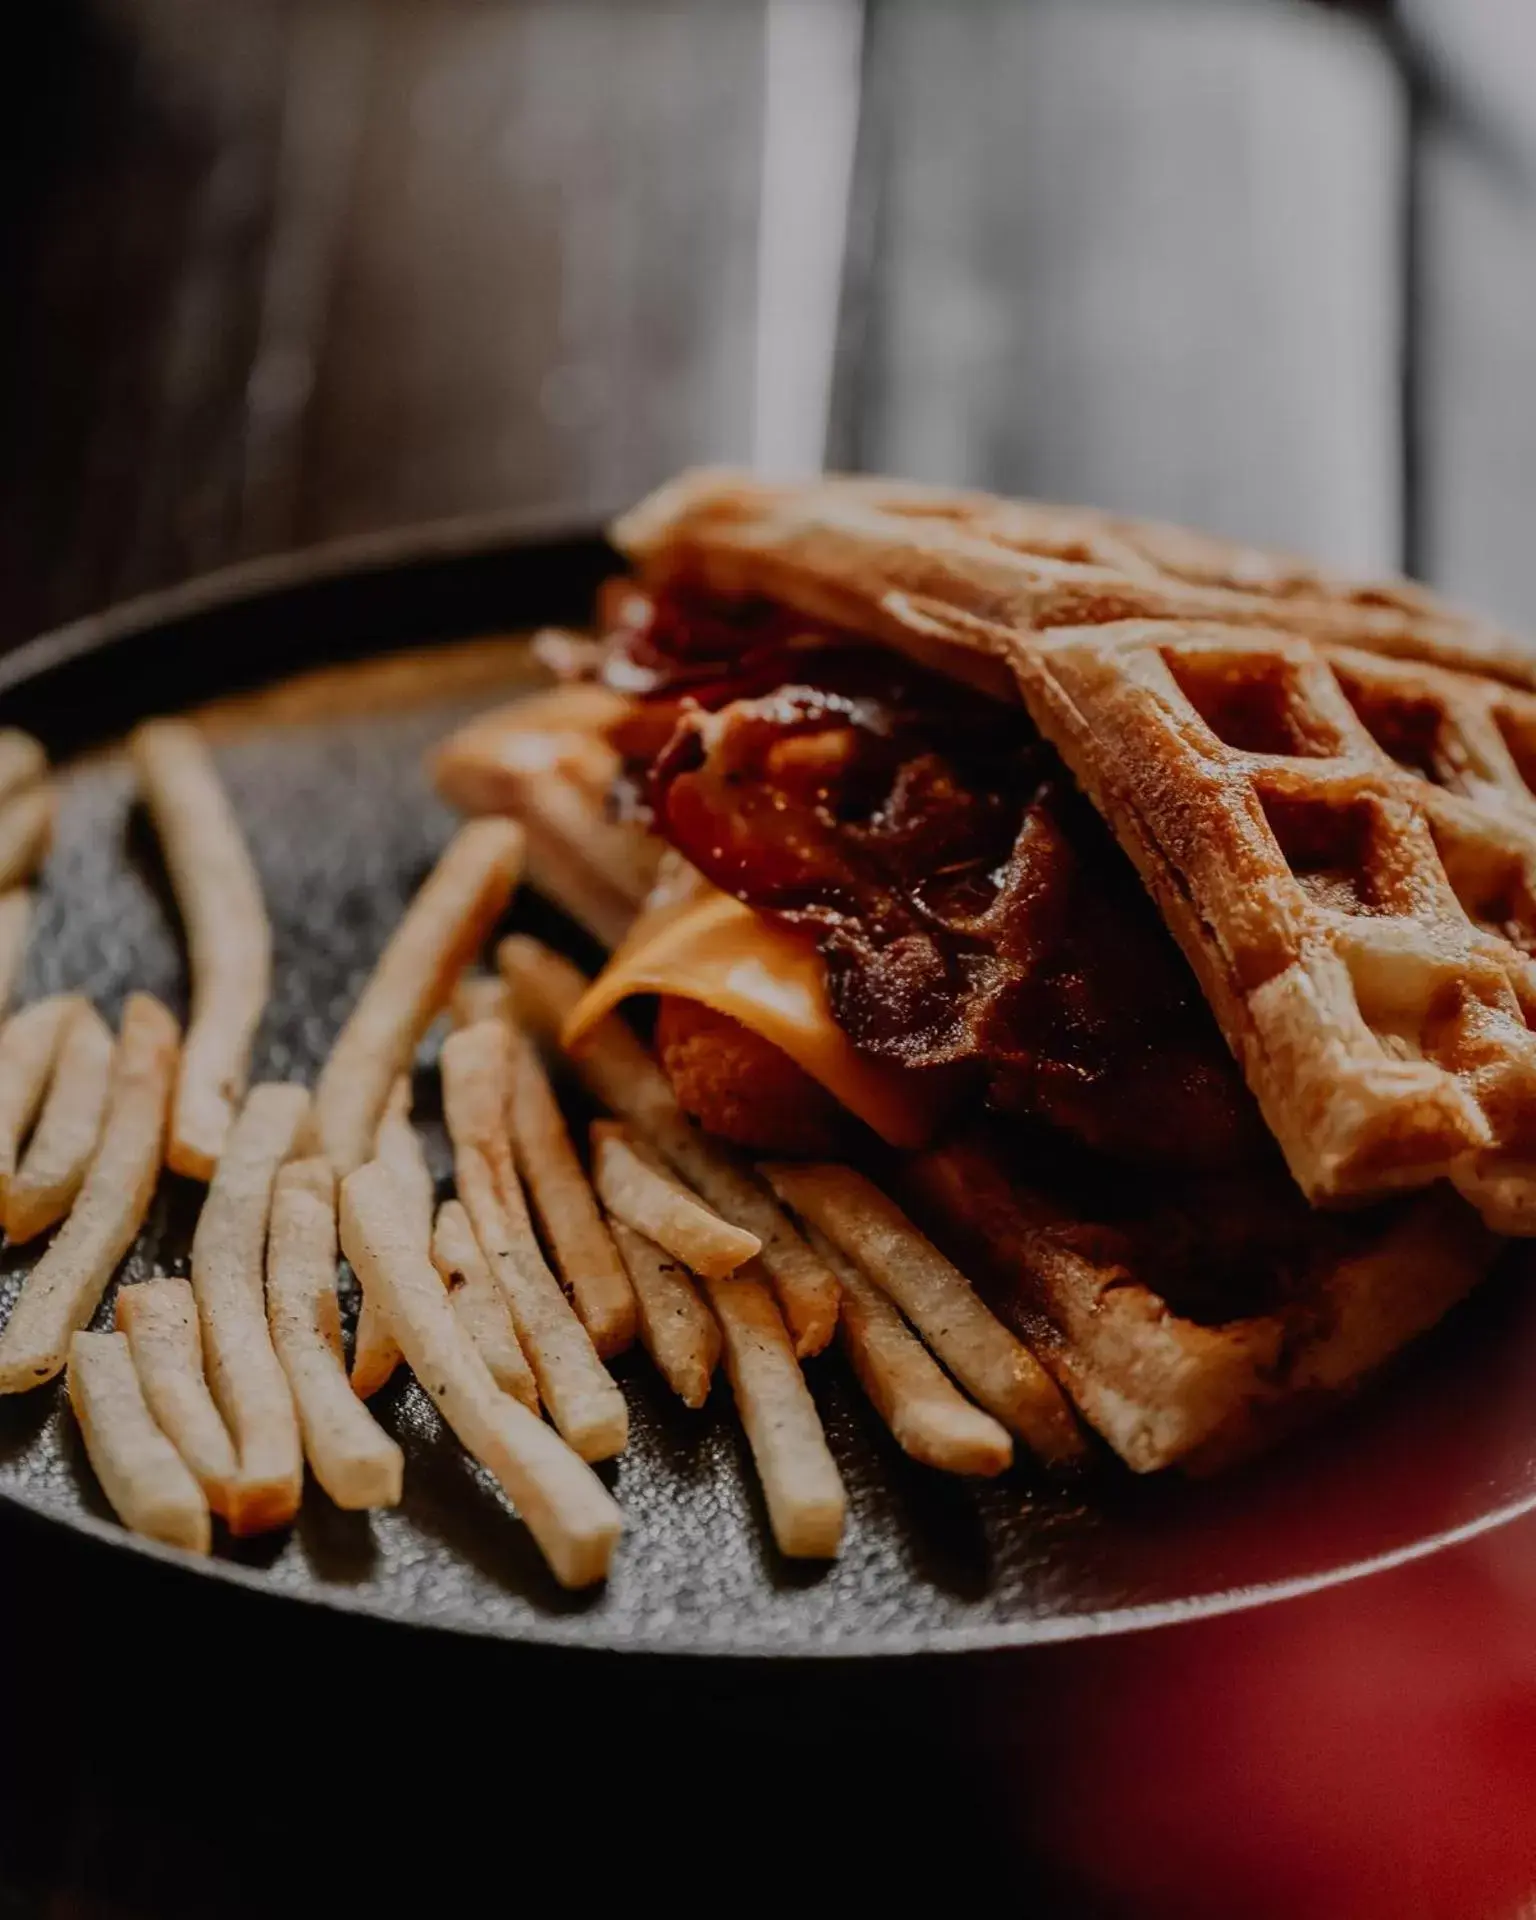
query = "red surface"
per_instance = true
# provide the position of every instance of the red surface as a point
(1369, 1751)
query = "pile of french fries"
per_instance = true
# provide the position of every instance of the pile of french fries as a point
(506, 1300)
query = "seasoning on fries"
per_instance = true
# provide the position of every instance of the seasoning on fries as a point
(928, 1416)
(67, 1130)
(567, 1509)
(622, 1075)
(801, 1484)
(443, 928)
(65, 1287)
(398, 1145)
(228, 1258)
(480, 1303)
(582, 1399)
(229, 938)
(159, 1318)
(149, 1485)
(635, 1190)
(29, 1045)
(348, 1452)
(998, 1370)
(676, 1328)
(563, 1201)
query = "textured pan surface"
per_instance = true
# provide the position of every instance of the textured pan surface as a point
(343, 828)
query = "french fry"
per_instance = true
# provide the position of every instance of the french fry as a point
(585, 707)
(595, 869)
(676, 1328)
(567, 1509)
(573, 1383)
(229, 939)
(399, 1146)
(26, 833)
(443, 928)
(572, 657)
(65, 1287)
(159, 1318)
(574, 1228)
(249, 1385)
(558, 1189)
(635, 1190)
(29, 1045)
(349, 1453)
(480, 1303)
(995, 1368)
(544, 761)
(23, 762)
(15, 922)
(484, 767)
(928, 1416)
(801, 1484)
(67, 1129)
(479, 996)
(620, 1073)
(149, 1485)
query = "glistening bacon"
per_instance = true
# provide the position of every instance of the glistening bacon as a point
(975, 918)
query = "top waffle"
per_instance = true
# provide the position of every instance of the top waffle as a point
(1322, 784)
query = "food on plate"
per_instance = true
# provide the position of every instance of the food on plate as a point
(66, 1286)
(582, 1399)
(41, 1192)
(1089, 967)
(398, 1145)
(619, 1072)
(15, 920)
(677, 1330)
(23, 762)
(1187, 891)
(228, 1279)
(801, 1484)
(443, 930)
(564, 1204)
(636, 1190)
(751, 1092)
(229, 939)
(159, 1318)
(149, 1485)
(567, 1509)
(26, 833)
(928, 1417)
(552, 770)
(348, 1452)
(479, 996)
(480, 1304)
(999, 1372)
(29, 1045)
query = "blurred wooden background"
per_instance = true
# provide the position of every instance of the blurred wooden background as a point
(280, 270)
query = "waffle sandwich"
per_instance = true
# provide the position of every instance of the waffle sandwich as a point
(1154, 916)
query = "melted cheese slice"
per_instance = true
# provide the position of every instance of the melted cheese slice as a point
(696, 943)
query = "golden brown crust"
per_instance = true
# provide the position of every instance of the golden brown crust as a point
(1165, 1389)
(1322, 784)
(929, 568)
(742, 1088)
(1380, 1015)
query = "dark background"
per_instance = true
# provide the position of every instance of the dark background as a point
(278, 271)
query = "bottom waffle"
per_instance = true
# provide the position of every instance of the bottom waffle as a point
(1192, 1326)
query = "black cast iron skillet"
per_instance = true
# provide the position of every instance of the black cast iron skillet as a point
(343, 827)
